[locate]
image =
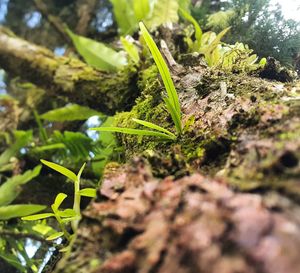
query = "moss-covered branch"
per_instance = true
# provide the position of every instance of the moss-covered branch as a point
(63, 76)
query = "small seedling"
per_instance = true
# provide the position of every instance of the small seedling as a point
(171, 100)
(65, 216)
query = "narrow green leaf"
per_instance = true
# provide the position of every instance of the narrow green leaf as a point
(55, 236)
(13, 260)
(174, 114)
(58, 200)
(67, 213)
(88, 192)
(80, 171)
(131, 50)
(215, 42)
(198, 30)
(10, 189)
(71, 219)
(154, 126)
(162, 67)
(49, 147)
(43, 229)
(132, 132)
(37, 216)
(64, 171)
(166, 76)
(70, 112)
(97, 54)
(14, 211)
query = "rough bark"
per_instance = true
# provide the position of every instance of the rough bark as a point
(69, 77)
(223, 198)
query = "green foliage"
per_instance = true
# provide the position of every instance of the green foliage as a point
(65, 216)
(164, 12)
(125, 15)
(171, 101)
(128, 13)
(141, 9)
(131, 50)
(70, 112)
(21, 139)
(238, 57)
(185, 5)
(194, 46)
(220, 19)
(98, 54)
(15, 211)
(68, 146)
(259, 24)
(11, 188)
(131, 131)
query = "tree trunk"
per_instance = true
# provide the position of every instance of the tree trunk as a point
(222, 198)
(69, 77)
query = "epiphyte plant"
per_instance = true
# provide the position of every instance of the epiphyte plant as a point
(171, 100)
(69, 215)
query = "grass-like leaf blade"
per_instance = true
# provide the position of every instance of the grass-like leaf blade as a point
(162, 67)
(64, 171)
(38, 216)
(154, 126)
(58, 200)
(13, 211)
(67, 213)
(88, 192)
(174, 114)
(133, 132)
(198, 30)
(54, 236)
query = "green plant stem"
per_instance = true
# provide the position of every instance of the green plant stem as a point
(76, 205)
(62, 226)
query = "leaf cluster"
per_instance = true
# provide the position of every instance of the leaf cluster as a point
(171, 100)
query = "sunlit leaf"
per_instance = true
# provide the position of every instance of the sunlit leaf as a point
(67, 213)
(98, 54)
(131, 50)
(154, 126)
(70, 112)
(88, 192)
(58, 200)
(55, 236)
(141, 9)
(37, 216)
(10, 189)
(124, 15)
(165, 74)
(14, 211)
(133, 132)
(198, 30)
(164, 12)
(64, 171)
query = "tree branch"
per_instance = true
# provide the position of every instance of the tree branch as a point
(69, 77)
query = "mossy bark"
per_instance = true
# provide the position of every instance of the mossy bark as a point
(158, 214)
(224, 197)
(68, 77)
